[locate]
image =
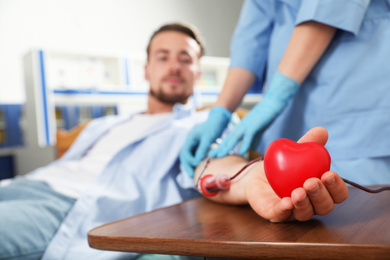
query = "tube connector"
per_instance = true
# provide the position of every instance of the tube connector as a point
(211, 185)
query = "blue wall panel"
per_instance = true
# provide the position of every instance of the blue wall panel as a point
(13, 132)
(6, 167)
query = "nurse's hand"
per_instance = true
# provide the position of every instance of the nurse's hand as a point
(280, 91)
(200, 139)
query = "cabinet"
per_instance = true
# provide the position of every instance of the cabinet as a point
(6, 167)
(69, 116)
(64, 84)
(11, 137)
(11, 133)
(65, 88)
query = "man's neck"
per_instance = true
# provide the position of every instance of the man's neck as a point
(155, 106)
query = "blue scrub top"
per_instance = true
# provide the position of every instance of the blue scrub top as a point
(347, 92)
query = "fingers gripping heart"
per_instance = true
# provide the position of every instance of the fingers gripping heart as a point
(288, 164)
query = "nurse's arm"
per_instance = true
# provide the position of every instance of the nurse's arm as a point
(237, 84)
(308, 42)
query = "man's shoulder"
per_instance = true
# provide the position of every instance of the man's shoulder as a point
(109, 119)
(196, 116)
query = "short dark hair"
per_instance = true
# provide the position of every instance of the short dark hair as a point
(182, 28)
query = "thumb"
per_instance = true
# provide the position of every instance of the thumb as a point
(316, 134)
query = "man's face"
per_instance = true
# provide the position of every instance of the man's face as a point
(173, 67)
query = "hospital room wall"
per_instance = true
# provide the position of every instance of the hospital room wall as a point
(100, 26)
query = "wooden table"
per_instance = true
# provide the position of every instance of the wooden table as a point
(357, 229)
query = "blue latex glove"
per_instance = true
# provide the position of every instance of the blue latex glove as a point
(280, 91)
(200, 139)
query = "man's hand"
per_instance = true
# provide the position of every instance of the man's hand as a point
(316, 197)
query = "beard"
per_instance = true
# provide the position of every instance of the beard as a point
(169, 98)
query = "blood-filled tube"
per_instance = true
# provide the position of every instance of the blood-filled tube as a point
(210, 185)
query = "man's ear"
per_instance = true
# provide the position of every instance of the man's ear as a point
(146, 71)
(198, 74)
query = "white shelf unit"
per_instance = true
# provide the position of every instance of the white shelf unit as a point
(55, 78)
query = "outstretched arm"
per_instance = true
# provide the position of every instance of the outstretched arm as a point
(317, 197)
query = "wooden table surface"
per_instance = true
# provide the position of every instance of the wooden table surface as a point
(357, 229)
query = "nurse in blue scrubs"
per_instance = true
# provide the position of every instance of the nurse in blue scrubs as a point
(322, 63)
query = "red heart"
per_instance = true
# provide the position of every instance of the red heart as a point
(288, 164)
